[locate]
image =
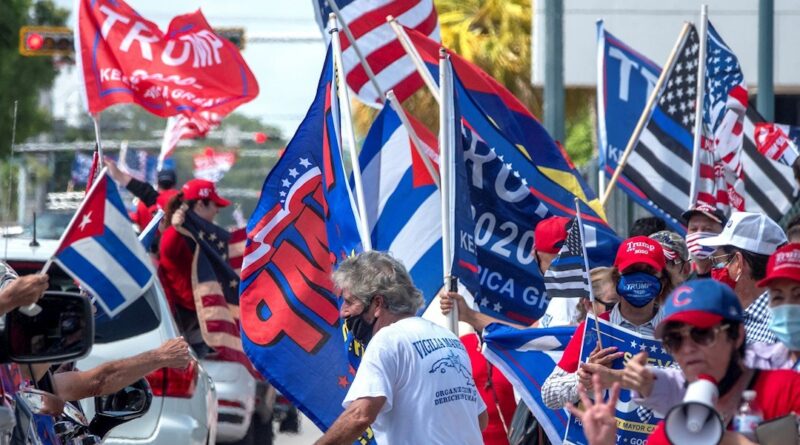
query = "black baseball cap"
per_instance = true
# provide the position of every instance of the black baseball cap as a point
(167, 177)
(706, 210)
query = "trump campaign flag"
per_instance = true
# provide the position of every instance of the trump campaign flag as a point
(777, 142)
(527, 357)
(403, 204)
(655, 175)
(100, 250)
(377, 43)
(635, 423)
(302, 226)
(125, 58)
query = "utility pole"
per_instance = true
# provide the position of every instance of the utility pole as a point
(554, 68)
(765, 101)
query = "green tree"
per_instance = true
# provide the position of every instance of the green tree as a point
(24, 78)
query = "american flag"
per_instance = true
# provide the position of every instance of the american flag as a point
(659, 163)
(724, 107)
(567, 276)
(376, 41)
(184, 127)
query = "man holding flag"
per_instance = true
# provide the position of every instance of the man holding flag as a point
(414, 383)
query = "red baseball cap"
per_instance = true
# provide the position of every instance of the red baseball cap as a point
(784, 263)
(640, 250)
(550, 234)
(203, 189)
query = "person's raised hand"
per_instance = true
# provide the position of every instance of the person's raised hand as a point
(24, 290)
(174, 353)
(604, 356)
(449, 299)
(117, 175)
(179, 216)
(606, 375)
(637, 376)
(598, 417)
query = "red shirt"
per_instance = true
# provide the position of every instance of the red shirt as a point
(175, 269)
(777, 394)
(494, 434)
(572, 353)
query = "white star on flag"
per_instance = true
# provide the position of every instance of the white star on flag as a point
(87, 218)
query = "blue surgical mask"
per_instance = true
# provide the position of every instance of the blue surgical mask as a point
(639, 288)
(785, 324)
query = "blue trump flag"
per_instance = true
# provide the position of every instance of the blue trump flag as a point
(635, 423)
(527, 357)
(303, 225)
(509, 195)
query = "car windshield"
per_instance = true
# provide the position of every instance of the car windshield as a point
(49, 224)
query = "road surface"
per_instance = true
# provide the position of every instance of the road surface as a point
(309, 433)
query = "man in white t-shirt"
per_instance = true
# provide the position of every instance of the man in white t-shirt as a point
(414, 384)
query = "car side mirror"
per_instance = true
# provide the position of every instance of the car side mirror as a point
(127, 404)
(62, 331)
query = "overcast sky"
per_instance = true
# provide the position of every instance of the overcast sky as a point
(287, 73)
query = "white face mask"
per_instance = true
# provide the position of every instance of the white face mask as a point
(697, 251)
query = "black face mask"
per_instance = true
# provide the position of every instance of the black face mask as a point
(360, 328)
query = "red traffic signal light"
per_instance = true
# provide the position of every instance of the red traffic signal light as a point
(46, 41)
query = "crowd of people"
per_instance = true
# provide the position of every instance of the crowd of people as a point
(724, 302)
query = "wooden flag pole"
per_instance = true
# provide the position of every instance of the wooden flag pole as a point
(698, 110)
(648, 109)
(367, 69)
(349, 133)
(402, 37)
(446, 147)
(579, 222)
(416, 141)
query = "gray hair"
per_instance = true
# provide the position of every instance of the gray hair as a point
(377, 273)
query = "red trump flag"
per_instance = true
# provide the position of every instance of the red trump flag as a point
(125, 58)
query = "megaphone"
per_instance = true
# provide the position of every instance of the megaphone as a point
(695, 420)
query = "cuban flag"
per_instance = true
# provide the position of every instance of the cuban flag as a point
(403, 204)
(148, 235)
(527, 357)
(100, 250)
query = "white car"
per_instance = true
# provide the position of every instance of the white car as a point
(184, 407)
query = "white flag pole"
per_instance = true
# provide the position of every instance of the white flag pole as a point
(354, 43)
(412, 53)
(349, 133)
(417, 142)
(698, 111)
(648, 109)
(447, 128)
(579, 222)
(96, 122)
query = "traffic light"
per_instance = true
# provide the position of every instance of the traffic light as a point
(46, 41)
(235, 35)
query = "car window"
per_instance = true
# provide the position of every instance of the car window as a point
(49, 225)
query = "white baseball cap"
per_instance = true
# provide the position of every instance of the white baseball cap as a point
(753, 232)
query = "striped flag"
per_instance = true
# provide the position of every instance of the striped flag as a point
(403, 207)
(567, 276)
(527, 357)
(724, 106)
(185, 127)
(656, 173)
(99, 249)
(777, 142)
(376, 41)
(148, 234)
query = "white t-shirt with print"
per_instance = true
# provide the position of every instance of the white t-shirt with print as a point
(424, 372)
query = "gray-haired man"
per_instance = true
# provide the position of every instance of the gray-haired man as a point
(414, 384)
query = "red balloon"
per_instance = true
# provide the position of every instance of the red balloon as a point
(260, 137)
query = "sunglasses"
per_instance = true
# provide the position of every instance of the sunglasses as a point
(607, 306)
(673, 340)
(720, 261)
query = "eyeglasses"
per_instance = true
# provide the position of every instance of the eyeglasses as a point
(720, 261)
(673, 340)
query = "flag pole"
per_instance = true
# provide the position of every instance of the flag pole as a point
(347, 124)
(412, 53)
(579, 221)
(698, 110)
(447, 127)
(648, 109)
(415, 140)
(354, 43)
(96, 122)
